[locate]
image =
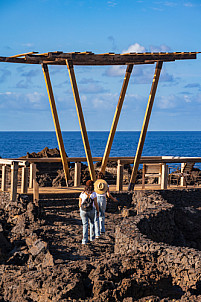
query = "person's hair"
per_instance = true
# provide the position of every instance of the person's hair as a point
(100, 175)
(89, 187)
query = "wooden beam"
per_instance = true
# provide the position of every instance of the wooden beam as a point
(81, 119)
(116, 117)
(56, 122)
(145, 125)
(77, 58)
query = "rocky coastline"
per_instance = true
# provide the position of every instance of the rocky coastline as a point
(151, 250)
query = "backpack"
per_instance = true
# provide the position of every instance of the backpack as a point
(87, 204)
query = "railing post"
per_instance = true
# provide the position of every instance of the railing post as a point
(35, 191)
(32, 175)
(14, 179)
(182, 181)
(120, 169)
(4, 178)
(164, 176)
(77, 175)
(24, 183)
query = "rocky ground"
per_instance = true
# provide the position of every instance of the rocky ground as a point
(42, 258)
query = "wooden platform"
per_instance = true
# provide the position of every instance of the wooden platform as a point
(70, 190)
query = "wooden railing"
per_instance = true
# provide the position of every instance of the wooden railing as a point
(28, 170)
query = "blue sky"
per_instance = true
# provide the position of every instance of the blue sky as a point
(100, 27)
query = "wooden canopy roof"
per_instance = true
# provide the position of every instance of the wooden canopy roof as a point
(89, 58)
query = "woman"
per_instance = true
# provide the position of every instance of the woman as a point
(101, 200)
(87, 205)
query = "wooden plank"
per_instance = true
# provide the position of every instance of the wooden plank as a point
(116, 118)
(81, 120)
(56, 122)
(145, 125)
(24, 54)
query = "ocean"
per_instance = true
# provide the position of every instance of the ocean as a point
(158, 143)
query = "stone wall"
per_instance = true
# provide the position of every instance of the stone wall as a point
(163, 228)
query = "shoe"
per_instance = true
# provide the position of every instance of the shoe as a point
(97, 237)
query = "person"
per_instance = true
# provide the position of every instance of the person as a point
(88, 214)
(102, 190)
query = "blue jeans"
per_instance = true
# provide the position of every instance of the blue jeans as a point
(100, 221)
(85, 216)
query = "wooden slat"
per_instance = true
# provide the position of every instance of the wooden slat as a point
(24, 54)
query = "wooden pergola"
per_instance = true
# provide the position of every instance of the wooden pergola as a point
(91, 59)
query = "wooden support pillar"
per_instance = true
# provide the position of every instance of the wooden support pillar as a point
(81, 119)
(77, 175)
(56, 122)
(120, 170)
(4, 178)
(145, 124)
(14, 179)
(116, 117)
(32, 174)
(164, 176)
(24, 181)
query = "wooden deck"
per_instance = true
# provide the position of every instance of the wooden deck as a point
(138, 187)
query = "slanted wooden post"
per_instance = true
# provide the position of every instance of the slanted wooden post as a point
(182, 180)
(81, 119)
(4, 178)
(56, 122)
(120, 170)
(32, 174)
(145, 124)
(24, 181)
(77, 175)
(14, 179)
(116, 117)
(164, 176)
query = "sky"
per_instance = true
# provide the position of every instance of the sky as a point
(101, 27)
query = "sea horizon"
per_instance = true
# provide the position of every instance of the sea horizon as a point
(15, 144)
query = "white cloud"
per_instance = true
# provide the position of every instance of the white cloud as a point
(161, 48)
(19, 102)
(135, 48)
(167, 102)
(115, 71)
(188, 4)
